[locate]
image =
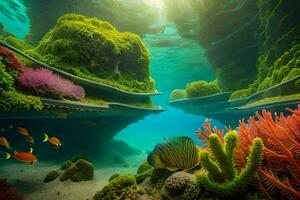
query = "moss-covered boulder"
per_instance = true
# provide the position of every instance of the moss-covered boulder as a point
(82, 170)
(120, 186)
(201, 88)
(94, 49)
(66, 165)
(178, 94)
(51, 176)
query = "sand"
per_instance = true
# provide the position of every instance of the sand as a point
(28, 179)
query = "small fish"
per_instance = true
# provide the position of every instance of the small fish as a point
(2, 130)
(4, 142)
(29, 139)
(53, 140)
(175, 153)
(27, 157)
(11, 126)
(23, 131)
(62, 115)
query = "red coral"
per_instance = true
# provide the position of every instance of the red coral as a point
(9, 59)
(8, 193)
(44, 82)
(203, 135)
(281, 136)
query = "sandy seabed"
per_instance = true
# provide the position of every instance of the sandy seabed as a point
(28, 179)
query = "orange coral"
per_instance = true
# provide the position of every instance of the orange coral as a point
(203, 135)
(281, 137)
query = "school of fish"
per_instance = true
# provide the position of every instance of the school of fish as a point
(25, 157)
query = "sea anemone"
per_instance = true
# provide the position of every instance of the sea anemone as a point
(44, 82)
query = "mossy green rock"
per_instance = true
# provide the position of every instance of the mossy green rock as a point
(144, 167)
(115, 188)
(66, 165)
(113, 177)
(51, 176)
(201, 88)
(178, 94)
(82, 170)
(94, 49)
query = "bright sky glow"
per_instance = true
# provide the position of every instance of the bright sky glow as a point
(155, 3)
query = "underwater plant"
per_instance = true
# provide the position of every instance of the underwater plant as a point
(203, 135)
(44, 82)
(117, 188)
(8, 193)
(222, 177)
(9, 59)
(95, 50)
(177, 94)
(175, 153)
(280, 168)
(201, 88)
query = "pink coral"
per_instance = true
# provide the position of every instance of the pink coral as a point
(8, 193)
(9, 59)
(44, 82)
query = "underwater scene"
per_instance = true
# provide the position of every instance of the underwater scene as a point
(149, 99)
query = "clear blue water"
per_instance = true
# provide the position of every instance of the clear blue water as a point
(174, 62)
(171, 67)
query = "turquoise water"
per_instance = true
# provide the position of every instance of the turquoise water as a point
(13, 17)
(172, 67)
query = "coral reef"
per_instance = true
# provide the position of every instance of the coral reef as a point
(43, 82)
(118, 188)
(81, 170)
(51, 176)
(177, 182)
(8, 193)
(94, 49)
(280, 167)
(222, 178)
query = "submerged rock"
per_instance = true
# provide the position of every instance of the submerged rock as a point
(120, 186)
(51, 176)
(82, 170)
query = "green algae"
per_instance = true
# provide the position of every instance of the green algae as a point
(93, 49)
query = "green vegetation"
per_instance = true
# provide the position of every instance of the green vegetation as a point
(201, 88)
(222, 177)
(178, 94)
(116, 188)
(94, 49)
(6, 80)
(11, 101)
(19, 44)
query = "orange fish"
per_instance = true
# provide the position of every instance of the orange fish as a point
(53, 140)
(23, 131)
(26, 157)
(4, 142)
(29, 139)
